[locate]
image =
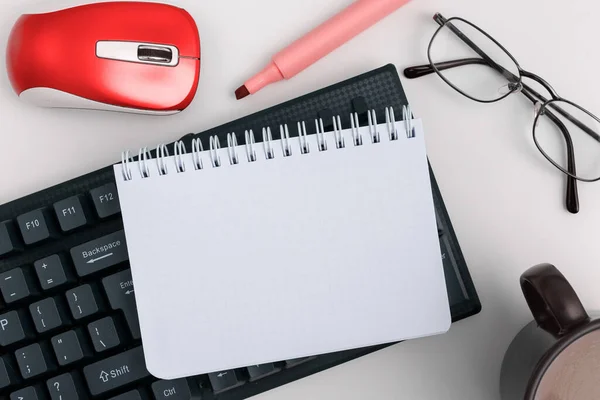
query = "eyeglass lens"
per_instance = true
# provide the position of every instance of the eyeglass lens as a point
(485, 81)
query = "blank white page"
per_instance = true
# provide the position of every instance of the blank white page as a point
(283, 258)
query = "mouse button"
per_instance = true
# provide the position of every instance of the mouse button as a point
(159, 54)
(186, 37)
(137, 52)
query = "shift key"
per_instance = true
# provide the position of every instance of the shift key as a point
(116, 371)
(99, 254)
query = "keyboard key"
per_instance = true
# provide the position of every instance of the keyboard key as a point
(35, 226)
(172, 390)
(45, 315)
(7, 374)
(224, 380)
(28, 393)
(99, 254)
(33, 360)
(63, 387)
(82, 302)
(104, 334)
(297, 361)
(67, 348)
(120, 292)
(116, 371)
(50, 272)
(131, 395)
(256, 372)
(70, 214)
(11, 328)
(106, 200)
(9, 240)
(13, 286)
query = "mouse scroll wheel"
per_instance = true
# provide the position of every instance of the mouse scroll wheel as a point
(155, 54)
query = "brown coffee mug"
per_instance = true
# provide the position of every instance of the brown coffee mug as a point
(557, 356)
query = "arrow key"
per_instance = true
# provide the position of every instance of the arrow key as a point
(257, 372)
(82, 302)
(224, 380)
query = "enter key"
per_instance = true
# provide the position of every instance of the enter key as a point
(120, 292)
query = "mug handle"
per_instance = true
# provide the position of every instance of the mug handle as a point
(552, 300)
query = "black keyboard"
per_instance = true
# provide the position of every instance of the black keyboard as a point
(68, 322)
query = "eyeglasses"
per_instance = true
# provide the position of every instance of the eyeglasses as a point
(489, 73)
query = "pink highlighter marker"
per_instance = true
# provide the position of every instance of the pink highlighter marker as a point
(307, 50)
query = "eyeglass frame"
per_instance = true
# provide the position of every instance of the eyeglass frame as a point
(515, 85)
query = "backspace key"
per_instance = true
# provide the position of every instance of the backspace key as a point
(99, 254)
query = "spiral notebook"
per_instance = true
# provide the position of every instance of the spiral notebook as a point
(287, 244)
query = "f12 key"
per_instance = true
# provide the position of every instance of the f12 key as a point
(106, 200)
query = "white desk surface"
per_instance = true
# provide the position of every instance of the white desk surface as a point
(505, 200)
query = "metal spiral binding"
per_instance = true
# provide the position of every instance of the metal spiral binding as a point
(231, 151)
(284, 132)
(161, 153)
(197, 148)
(337, 132)
(268, 143)
(144, 157)
(408, 124)
(215, 145)
(375, 138)
(321, 140)
(250, 152)
(126, 170)
(304, 146)
(180, 151)
(356, 135)
(389, 117)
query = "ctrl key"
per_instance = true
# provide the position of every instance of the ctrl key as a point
(172, 390)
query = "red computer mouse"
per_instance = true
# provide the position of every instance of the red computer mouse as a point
(119, 56)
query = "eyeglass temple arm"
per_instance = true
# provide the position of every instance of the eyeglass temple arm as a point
(572, 198)
(441, 20)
